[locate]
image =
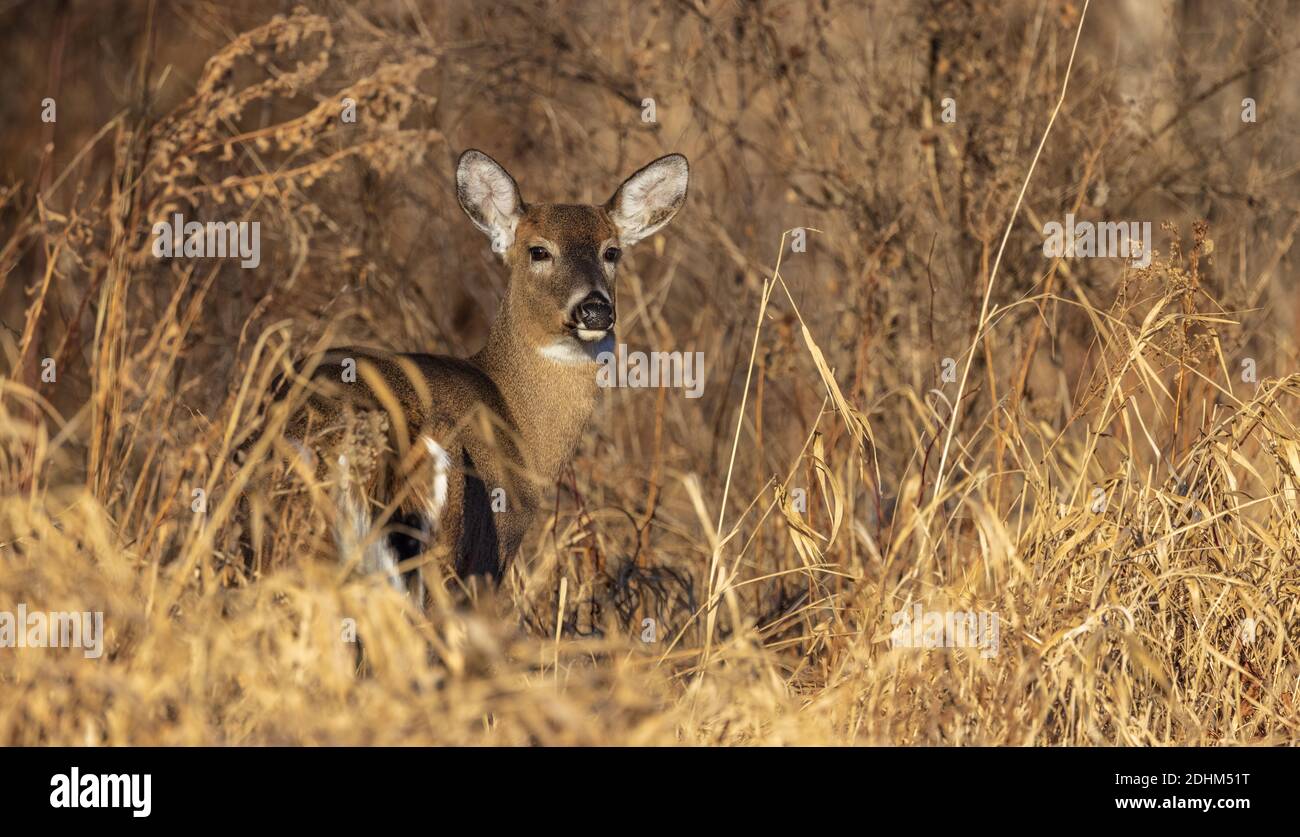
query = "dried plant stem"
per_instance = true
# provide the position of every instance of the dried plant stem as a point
(988, 288)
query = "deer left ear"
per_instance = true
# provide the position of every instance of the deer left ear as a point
(649, 199)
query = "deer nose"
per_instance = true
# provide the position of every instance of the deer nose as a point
(595, 313)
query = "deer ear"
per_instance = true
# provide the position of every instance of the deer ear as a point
(649, 199)
(489, 196)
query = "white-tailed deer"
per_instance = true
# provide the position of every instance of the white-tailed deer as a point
(425, 453)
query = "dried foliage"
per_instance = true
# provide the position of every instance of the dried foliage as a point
(1116, 491)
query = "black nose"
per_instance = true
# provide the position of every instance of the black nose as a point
(595, 313)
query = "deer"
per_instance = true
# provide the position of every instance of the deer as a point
(433, 455)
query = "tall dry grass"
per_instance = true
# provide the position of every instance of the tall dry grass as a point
(1113, 490)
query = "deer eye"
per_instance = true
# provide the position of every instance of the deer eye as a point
(612, 254)
(539, 254)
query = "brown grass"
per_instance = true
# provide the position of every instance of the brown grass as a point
(1124, 620)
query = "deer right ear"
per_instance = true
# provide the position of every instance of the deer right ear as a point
(489, 196)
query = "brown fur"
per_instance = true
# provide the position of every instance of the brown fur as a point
(509, 417)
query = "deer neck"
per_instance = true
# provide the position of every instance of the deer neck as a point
(550, 396)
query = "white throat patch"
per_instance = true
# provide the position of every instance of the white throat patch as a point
(571, 351)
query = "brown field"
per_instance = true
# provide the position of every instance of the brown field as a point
(918, 408)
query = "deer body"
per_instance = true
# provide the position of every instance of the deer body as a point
(435, 453)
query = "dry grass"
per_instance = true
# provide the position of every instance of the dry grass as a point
(1114, 490)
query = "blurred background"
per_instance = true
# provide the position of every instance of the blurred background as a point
(821, 115)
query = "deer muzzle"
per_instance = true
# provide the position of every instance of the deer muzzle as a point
(594, 316)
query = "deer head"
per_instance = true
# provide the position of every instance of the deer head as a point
(563, 257)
